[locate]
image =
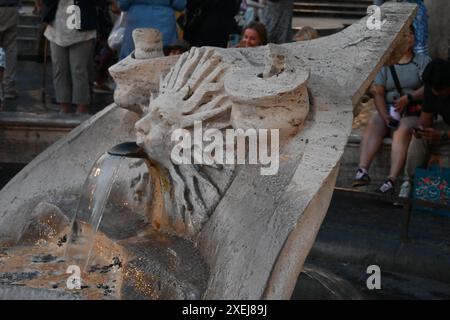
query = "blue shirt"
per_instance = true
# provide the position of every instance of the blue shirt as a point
(420, 24)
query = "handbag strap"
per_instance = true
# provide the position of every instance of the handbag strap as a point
(396, 80)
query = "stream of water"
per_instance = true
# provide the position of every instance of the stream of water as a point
(95, 194)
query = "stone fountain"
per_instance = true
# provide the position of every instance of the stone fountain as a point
(197, 231)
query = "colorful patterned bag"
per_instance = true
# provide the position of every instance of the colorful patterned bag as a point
(432, 185)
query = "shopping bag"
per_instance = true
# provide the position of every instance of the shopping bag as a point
(115, 38)
(433, 185)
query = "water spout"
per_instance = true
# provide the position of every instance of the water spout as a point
(128, 150)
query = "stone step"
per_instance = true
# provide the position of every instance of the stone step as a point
(27, 31)
(337, 2)
(25, 135)
(329, 13)
(29, 20)
(342, 9)
(27, 47)
(363, 230)
(332, 6)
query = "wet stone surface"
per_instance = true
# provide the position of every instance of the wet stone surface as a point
(116, 263)
(43, 258)
(42, 271)
(165, 267)
(62, 240)
(107, 290)
(10, 278)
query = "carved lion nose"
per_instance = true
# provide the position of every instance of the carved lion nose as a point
(141, 128)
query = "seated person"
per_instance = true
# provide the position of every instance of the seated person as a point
(306, 33)
(403, 100)
(253, 35)
(430, 133)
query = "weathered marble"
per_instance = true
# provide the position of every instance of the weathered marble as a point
(136, 78)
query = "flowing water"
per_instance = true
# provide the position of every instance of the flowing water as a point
(109, 250)
(96, 191)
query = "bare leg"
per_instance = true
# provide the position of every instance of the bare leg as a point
(373, 136)
(400, 144)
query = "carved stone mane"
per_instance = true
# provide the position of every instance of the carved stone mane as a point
(221, 90)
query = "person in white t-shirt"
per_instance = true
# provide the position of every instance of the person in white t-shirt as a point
(72, 52)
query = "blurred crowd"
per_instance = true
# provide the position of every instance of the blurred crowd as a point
(81, 56)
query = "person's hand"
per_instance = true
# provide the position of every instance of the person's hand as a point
(386, 118)
(429, 134)
(416, 132)
(400, 103)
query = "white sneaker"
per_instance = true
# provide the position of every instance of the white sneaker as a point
(361, 178)
(388, 186)
(405, 190)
